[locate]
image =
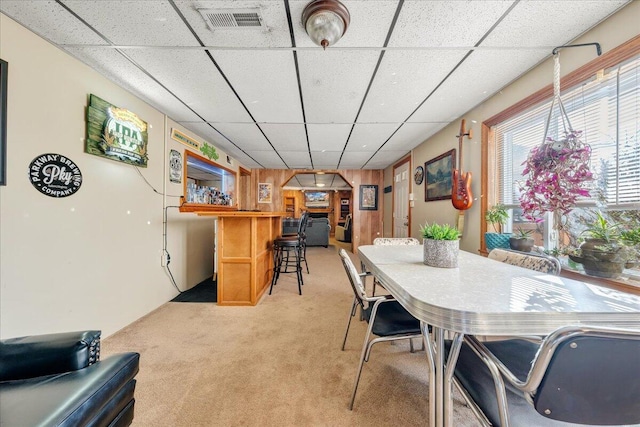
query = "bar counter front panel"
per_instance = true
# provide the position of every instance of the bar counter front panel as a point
(245, 254)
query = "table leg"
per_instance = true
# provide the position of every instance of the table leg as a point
(429, 350)
(456, 344)
(438, 334)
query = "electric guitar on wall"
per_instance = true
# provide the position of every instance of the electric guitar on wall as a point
(461, 196)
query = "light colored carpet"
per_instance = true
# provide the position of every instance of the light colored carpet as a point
(276, 364)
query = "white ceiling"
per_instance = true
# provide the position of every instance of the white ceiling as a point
(270, 98)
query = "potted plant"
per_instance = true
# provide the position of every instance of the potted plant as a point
(601, 253)
(441, 245)
(521, 240)
(631, 241)
(497, 216)
(557, 173)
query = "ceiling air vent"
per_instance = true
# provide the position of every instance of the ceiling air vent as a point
(217, 19)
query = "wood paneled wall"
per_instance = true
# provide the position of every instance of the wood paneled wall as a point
(367, 225)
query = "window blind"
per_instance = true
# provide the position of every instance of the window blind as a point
(607, 111)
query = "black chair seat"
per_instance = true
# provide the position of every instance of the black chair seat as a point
(481, 388)
(392, 319)
(292, 243)
(575, 388)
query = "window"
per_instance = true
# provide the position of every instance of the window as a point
(607, 110)
(602, 99)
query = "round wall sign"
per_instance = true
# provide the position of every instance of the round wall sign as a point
(55, 175)
(418, 176)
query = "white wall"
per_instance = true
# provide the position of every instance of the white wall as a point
(616, 30)
(90, 260)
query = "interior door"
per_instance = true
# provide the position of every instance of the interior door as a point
(401, 199)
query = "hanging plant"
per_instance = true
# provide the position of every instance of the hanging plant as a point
(557, 174)
(557, 170)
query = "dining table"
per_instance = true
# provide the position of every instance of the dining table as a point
(484, 297)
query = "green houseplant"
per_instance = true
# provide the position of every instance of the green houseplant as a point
(441, 245)
(601, 254)
(497, 216)
(631, 241)
(521, 240)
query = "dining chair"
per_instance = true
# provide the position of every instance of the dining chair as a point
(578, 374)
(532, 261)
(392, 241)
(386, 318)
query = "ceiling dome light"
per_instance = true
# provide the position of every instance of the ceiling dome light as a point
(325, 21)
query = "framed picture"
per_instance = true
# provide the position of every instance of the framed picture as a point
(368, 197)
(438, 179)
(265, 192)
(3, 121)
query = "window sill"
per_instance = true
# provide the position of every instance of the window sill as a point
(625, 283)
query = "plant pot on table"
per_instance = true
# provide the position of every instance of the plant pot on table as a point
(522, 244)
(497, 240)
(441, 253)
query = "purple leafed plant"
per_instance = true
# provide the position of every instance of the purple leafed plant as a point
(557, 174)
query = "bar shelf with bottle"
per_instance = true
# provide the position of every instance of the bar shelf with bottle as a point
(207, 186)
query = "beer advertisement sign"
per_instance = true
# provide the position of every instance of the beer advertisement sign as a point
(115, 133)
(55, 175)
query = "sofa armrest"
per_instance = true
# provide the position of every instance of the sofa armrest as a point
(38, 355)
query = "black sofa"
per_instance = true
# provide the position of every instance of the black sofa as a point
(317, 231)
(59, 380)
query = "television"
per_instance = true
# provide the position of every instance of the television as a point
(316, 199)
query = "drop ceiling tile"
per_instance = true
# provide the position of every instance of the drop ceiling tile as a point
(386, 158)
(445, 23)
(245, 160)
(404, 80)
(355, 159)
(326, 158)
(296, 159)
(118, 69)
(132, 22)
(410, 135)
(233, 149)
(369, 24)
(193, 78)
(463, 90)
(247, 136)
(266, 82)
(269, 159)
(50, 20)
(274, 33)
(334, 83)
(370, 136)
(330, 137)
(545, 23)
(286, 137)
(212, 136)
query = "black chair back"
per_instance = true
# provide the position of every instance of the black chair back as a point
(302, 224)
(592, 379)
(354, 279)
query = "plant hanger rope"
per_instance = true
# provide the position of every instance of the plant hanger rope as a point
(558, 169)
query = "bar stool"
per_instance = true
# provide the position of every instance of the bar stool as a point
(288, 254)
(301, 232)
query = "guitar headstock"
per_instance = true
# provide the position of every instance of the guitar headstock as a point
(468, 132)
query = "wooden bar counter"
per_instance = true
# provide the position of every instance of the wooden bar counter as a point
(245, 254)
